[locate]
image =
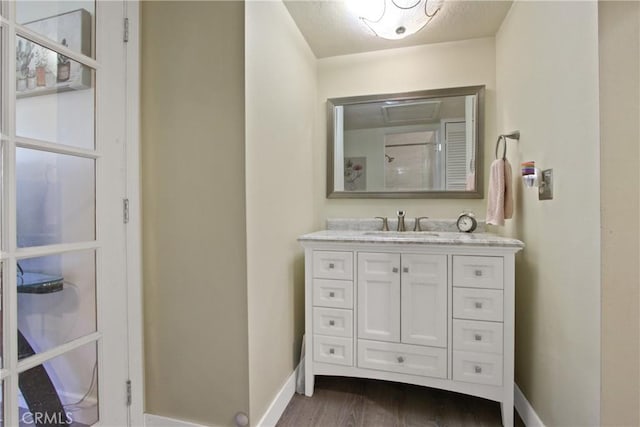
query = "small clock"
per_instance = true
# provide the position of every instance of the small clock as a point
(467, 222)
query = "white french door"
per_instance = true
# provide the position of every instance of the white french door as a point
(63, 238)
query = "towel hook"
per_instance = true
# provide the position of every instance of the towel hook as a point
(513, 135)
(504, 151)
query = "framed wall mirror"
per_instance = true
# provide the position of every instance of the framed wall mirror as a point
(425, 144)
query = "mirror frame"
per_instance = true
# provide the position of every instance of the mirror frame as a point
(478, 193)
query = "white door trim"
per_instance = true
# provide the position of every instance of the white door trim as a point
(134, 228)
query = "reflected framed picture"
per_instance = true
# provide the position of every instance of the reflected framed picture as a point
(355, 173)
(41, 71)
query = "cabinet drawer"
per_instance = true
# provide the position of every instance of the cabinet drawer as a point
(482, 337)
(403, 358)
(477, 304)
(333, 265)
(333, 321)
(478, 271)
(333, 293)
(481, 368)
(334, 350)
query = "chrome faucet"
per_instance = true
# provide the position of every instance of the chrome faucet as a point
(401, 226)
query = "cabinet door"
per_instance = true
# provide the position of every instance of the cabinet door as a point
(424, 300)
(379, 296)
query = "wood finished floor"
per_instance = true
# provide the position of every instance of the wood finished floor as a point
(356, 402)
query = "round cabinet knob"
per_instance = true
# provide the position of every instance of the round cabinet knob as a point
(332, 322)
(478, 305)
(331, 265)
(332, 294)
(478, 337)
(405, 269)
(478, 369)
(478, 273)
(394, 269)
(331, 351)
(400, 359)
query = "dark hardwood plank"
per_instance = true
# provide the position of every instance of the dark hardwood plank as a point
(355, 402)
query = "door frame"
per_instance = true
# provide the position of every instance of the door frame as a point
(134, 227)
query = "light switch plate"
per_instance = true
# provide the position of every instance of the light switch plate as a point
(545, 190)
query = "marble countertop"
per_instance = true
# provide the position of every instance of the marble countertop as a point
(411, 237)
(371, 224)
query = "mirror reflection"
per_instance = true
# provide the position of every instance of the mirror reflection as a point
(422, 144)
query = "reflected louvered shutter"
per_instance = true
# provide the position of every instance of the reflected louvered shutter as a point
(456, 152)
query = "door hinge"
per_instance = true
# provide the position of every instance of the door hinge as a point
(126, 30)
(128, 392)
(125, 210)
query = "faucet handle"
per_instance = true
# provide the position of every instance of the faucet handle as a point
(416, 226)
(385, 224)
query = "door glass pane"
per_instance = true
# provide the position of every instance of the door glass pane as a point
(55, 196)
(55, 97)
(56, 300)
(64, 389)
(69, 23)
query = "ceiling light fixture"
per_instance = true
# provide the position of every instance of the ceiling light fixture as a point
(395, 19)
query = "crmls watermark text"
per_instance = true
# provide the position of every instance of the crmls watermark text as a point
(46, 418)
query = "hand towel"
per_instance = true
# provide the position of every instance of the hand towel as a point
(471, 181)
(500, 198)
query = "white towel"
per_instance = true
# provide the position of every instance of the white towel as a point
(471, 181)
(500, 197)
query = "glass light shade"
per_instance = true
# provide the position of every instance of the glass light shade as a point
(402, 18)
(371, 10)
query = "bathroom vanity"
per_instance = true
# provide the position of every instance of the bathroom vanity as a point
(430, 308)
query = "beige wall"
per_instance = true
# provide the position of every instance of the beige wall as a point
(280, 101)
(547, 86)
(619, 31)
(193, 186)
(463, 63)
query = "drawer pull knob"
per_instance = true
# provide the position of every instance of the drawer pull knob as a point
(400, 359)
(331, 351)
(478, 305)
(406, 269)
(395, 269)
(332, 294)
(332, 322)
(331, 265)
(478, 337)
(478, 369)
(478, 273)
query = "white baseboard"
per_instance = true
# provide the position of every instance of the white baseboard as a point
(280, 402)
(282, 399)
(151, 420)
(269, 419)
(524, 408)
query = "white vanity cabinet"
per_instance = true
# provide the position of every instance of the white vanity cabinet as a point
(397, 289)
(436, 311)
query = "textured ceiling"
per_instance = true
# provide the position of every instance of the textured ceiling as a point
(331, 29)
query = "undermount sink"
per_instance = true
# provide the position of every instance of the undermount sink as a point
(411, 234)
